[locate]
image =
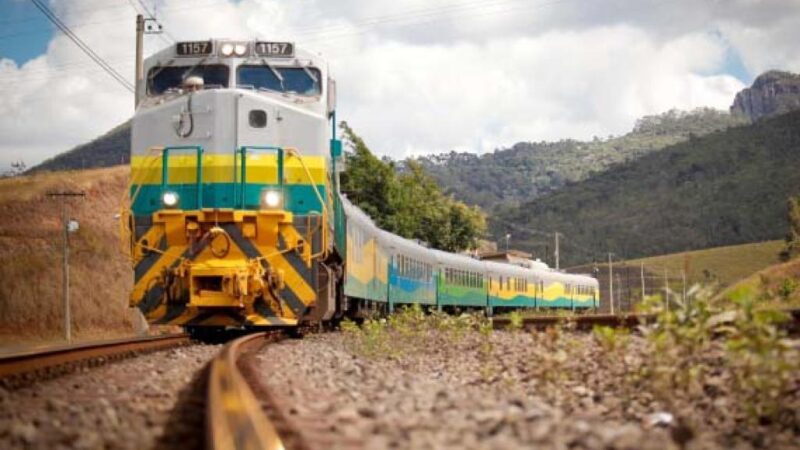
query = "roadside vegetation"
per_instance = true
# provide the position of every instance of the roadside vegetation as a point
(792, 239)
(713, 374)
(31, 250)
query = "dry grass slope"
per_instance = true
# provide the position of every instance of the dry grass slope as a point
(777, 285)
(30, 250)
(724, 265)
(719, 266)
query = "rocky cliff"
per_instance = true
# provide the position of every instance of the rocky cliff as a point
(772, 93)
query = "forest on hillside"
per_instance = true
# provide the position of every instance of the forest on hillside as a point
(529, 170)
(724, 188)
(111, 149)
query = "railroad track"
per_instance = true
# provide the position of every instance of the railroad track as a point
(581, 321)
(234, 416)
(21, 367)
(627, 320)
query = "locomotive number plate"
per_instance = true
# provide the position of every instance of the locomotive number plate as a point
(193, 48)
(275, 49)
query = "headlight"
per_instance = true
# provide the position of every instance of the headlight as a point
(170, 199)
(271, 199)
(226, 49)
(240, 49)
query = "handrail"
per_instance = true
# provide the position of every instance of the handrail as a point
(126, 211)
(242, 152)
(165, 169)
(291, 151)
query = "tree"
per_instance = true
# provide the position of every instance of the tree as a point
(17, 168)
(792, 248)
(409, 204)
(367, 181)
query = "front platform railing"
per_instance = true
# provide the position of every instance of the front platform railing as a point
(240, 169)
(199, 170)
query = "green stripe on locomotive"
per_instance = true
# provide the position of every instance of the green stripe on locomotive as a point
(300, 199)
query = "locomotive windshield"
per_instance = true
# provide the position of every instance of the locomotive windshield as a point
(161, 79)
(296, 80)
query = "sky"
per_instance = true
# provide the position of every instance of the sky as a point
(414, 76)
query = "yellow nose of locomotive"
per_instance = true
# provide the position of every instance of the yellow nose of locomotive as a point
(227, 265)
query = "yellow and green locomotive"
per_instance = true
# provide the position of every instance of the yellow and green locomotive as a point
(236, 219)
(232, 195)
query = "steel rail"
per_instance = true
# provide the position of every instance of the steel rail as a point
(16, 364)
(234, 417)
(627, 320)
(581, 321)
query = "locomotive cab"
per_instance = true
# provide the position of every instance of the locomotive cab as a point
(232, 185)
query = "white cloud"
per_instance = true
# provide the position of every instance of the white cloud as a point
(421, 76)
(407, 98)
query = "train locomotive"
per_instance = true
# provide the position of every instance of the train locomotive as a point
(236, 219)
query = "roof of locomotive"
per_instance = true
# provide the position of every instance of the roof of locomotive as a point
(173, 52)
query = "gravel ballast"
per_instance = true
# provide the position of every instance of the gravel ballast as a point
(524, 390)
(150, 401)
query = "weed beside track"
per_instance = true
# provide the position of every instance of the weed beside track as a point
(698, 377)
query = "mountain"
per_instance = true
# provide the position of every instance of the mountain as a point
(772, 93)
(725, 188)
(529, 170)
(110, 149)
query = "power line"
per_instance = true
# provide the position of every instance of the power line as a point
(25, 74)
(82, 45)
(192, 5)
(35, 17)
(431, 17)
(152, 16)
(408, 14)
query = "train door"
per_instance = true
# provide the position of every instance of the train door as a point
(255, 125)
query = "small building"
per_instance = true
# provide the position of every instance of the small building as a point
(516, 257)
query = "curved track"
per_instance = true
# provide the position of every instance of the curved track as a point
(53, 360)
(234, 416)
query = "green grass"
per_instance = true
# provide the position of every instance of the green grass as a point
(722, 265)
(725, 265)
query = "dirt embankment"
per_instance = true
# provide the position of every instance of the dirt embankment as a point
(31, 257)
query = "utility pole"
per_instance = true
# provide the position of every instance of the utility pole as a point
(683, 279)
(643, 287)
(556, 253)
(611, 283)
(68, 226)
(139, 75)
(508, 238)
